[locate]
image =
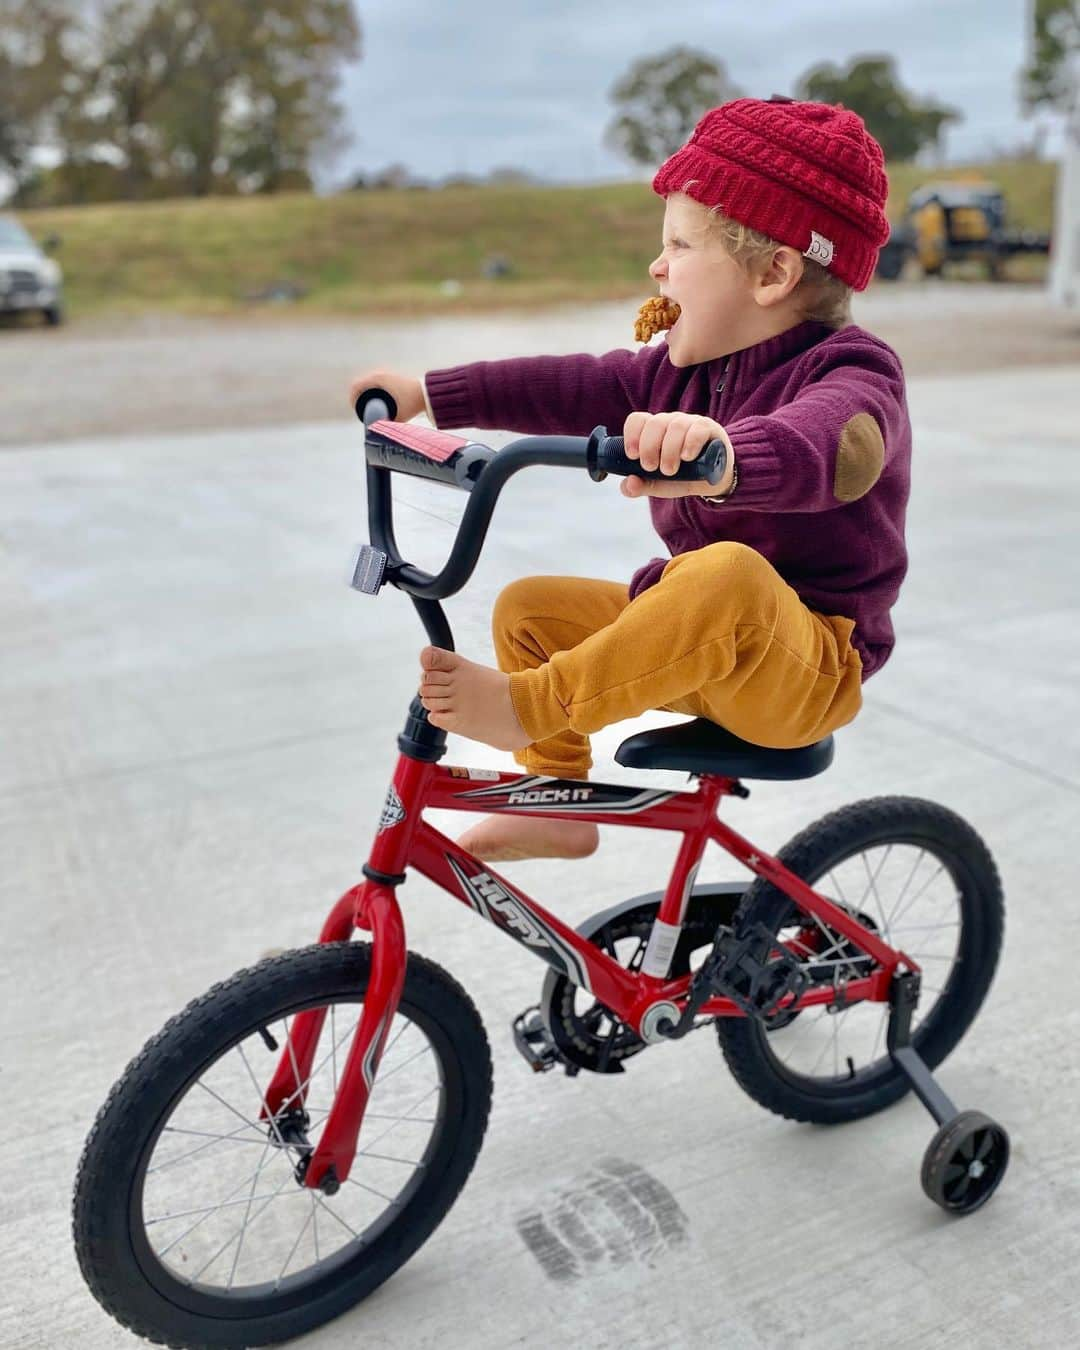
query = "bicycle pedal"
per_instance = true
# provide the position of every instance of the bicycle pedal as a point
(739, 968)
(534, 1041)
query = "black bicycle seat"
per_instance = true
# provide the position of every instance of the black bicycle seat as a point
(701, 746)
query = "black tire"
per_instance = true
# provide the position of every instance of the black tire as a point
(965, 1162)
(811, 855)
(139, 1288)
(54, 316)
(890, 262)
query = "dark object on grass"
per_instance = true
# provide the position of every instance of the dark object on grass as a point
(277, 292)
(496, 266)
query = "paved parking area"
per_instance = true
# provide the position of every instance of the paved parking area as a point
(198, 722)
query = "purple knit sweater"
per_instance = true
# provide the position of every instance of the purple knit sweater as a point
(787, 405)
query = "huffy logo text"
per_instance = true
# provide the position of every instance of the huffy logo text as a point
(515, 914)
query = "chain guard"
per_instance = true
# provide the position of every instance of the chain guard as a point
(595, 1039)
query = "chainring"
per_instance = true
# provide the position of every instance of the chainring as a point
(591, 1036)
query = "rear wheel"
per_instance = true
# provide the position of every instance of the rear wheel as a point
(920, 876)
(189, 1224)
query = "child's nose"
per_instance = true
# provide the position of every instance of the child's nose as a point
(657, 268)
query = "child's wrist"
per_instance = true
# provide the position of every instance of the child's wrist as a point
(725, 494)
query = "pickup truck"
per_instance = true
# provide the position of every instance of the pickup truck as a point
(28, 279)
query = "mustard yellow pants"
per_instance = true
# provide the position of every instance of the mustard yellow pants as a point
(721, 635)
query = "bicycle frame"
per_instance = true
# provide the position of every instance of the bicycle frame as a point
(404, 839)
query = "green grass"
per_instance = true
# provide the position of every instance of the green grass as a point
(391, 252)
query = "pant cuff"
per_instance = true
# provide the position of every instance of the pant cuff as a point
(538, 710)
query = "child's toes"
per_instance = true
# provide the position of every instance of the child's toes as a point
(435, 658)
(435, 679)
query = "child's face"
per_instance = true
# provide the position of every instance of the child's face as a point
(715, 293)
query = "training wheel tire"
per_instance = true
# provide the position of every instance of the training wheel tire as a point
(965, 1162)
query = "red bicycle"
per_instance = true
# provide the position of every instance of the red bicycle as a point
(283, 1145)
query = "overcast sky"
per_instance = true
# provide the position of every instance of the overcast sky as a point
(448, 87)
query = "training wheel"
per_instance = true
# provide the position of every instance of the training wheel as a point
(965, 1162)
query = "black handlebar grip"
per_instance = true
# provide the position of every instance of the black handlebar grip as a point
(608, 456)
(367, 396)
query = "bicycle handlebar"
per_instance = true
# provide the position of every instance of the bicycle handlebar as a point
(483, 472)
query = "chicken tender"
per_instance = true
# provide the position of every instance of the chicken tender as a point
(654, 316)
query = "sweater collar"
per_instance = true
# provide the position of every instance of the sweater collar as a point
(765, 356)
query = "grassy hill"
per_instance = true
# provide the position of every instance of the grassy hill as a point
(395, 251)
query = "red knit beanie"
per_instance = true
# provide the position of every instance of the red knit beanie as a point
(808, 175)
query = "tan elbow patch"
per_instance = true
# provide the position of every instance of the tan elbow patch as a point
(860, 457)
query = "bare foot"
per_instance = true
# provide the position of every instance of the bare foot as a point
(469, 699)
(510, 838)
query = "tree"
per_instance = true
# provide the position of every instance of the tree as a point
(178, 96)
(288, 113)
(35, 70)
(900, 122)
(661, 98)
(1051, 77)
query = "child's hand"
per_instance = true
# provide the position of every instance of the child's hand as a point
(665, 440)
(406, 390)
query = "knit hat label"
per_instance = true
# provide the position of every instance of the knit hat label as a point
(820, 250)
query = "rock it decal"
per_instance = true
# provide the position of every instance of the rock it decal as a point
(566, 796)
(393, 813)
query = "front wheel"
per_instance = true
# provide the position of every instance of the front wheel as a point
(189, 1224)
(919, 876)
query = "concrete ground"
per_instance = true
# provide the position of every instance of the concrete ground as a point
(198, 723)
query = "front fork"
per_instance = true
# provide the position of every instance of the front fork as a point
(372, 906)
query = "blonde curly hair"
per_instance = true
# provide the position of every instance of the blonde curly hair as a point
(819, 294)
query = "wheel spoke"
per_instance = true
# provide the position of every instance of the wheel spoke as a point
(226, 1245)
(400, 1119)
(873, 887)
(213, 1209)
(243, 1233)
(352, 1181)
(919, 894)
(269, 1117)
(382, 1077)
(292, 1250)
(911, 878)
(231, 1138)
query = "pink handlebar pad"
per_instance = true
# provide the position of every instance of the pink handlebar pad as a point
(426, 441)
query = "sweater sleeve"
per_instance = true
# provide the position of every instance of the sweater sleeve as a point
(545, 395)
(831, 443)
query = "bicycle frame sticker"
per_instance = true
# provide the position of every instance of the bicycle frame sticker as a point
(373, 1053)
(393, 813)
(565, 796)
(501, 905)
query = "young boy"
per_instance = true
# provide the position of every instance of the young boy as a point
(774, 605)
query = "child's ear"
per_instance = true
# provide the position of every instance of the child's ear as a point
(779, 276)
